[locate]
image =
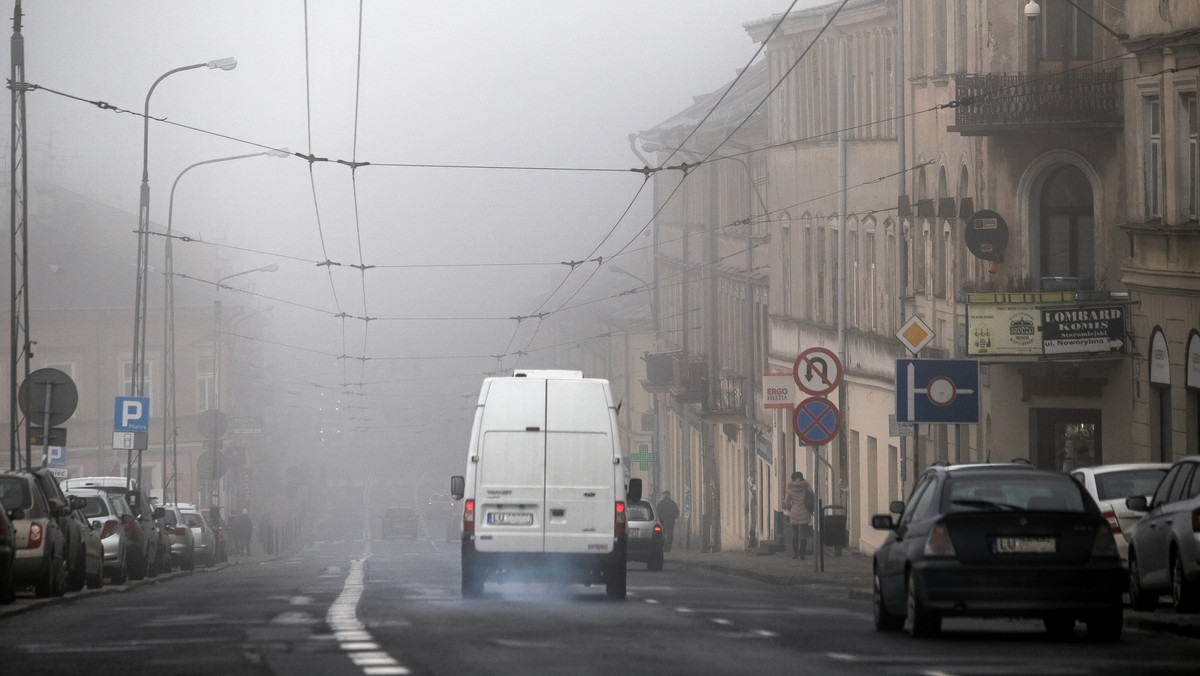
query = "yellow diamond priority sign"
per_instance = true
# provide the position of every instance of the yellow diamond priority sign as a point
(915, 334)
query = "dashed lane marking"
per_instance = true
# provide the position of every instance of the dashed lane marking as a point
(351, 635)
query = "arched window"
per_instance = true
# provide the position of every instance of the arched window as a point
(1067, 229)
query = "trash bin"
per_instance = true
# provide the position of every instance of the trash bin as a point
(833, 528)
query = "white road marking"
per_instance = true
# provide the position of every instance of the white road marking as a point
(351, 634)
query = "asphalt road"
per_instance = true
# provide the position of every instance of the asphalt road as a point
(357, 605)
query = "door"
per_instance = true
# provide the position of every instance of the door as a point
(580, 469)
(511, 475)
(1065, 438)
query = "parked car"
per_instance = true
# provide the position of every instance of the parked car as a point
(110, 514)
(645, 535)
(1109, 485)
(399, 522)
(1164, 554)
(182, 540)
(8, 555)
(74, 530)
(998, 541)
(144, 537)
(204, 542)
(41, 544)
(91, 572)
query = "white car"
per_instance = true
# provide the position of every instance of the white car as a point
(1111, 484)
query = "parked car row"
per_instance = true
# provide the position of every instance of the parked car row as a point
(58, 538)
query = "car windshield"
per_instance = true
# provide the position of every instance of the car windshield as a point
(1008, 492)
(1124, 483)
(14, 493)
(96, 506)
(639, 512)
(193, 520)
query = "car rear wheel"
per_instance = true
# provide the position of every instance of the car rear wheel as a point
(1183, 593)
(120, 575)
(1059, 626)
(8, 590)
(614, 583)
(1139, 598)
(78, 572)
(884, 621)
(1105, 626)
(920, 621)
(136, 566)
(96, 581)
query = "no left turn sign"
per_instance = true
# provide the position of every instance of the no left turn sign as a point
(817, 371)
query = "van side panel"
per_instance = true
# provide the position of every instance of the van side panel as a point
(510, 475)
(579, 467)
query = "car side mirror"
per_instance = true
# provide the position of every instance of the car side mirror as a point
(896, 507)
(55, 506)
(458, 486)
(634, 492)
(78, 503)
(883, 522)
(1137, 503)
(127, 518)
(159, 512)
(16, 513)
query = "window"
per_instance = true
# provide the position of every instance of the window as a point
(1152, 160)
(1189, 154)
(1180, 487)
(127, 382)
(205, 384)
(1066, 31)
(1164, 488)
(918, 493)
(1067, 231)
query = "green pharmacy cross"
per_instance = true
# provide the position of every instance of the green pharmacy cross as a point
(644, 456)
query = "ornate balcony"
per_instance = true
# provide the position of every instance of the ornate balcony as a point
(998, 103)
(727, 403)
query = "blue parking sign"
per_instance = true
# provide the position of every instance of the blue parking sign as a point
(937, 390)
(131, 414)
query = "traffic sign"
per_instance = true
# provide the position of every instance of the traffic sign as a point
(817, 421)
(212, 423)
(47, 393)
(131, 414)
(915, 334)
(817, 371)
(937, 390)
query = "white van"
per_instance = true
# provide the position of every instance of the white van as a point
(544, 493)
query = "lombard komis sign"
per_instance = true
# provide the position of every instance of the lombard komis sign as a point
(1029, 329)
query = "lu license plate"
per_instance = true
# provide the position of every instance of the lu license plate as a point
(1023, 545)
(510, 519)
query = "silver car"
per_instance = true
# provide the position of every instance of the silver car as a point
(111, 515)
(181, 537)
(203, 538)
(644, 535)
(1109, 485)
(1164, 555)
(41, 558)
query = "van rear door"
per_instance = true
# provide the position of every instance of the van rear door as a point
(580, 473)
(511, 473)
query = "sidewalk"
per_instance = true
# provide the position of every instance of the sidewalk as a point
(852, 571)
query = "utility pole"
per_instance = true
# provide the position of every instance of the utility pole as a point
(20, 346)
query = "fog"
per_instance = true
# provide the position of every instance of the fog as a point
(493, 142)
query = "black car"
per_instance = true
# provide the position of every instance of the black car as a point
(998, 541)
(8, 555)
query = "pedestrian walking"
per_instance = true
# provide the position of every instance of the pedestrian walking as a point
(798, 503)
(668, 512)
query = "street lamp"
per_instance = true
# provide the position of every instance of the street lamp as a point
(215, 418)
(169, 432)
(137, 382)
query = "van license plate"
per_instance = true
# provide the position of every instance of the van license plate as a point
(509, 519)
(1023, 545)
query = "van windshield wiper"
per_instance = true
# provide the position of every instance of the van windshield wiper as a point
(988, 504)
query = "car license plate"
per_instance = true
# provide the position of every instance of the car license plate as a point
(510, 519)
(635, 533)
(1023, 545)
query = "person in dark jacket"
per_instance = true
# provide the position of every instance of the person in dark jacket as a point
(668, 511)
(798, 514)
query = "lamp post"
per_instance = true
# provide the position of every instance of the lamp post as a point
(170, 433)
(215, 418)
(137, 382)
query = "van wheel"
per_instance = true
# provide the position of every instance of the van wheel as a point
(614, 583)
(472, 582)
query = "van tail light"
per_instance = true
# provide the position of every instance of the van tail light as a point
(469, 517)
(619, 519)
(1111, 517)
(939, 543)
(110, 528)
(35, 536)
(1104, 545)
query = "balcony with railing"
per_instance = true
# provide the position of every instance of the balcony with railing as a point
(1000, 103)
(726, 403)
